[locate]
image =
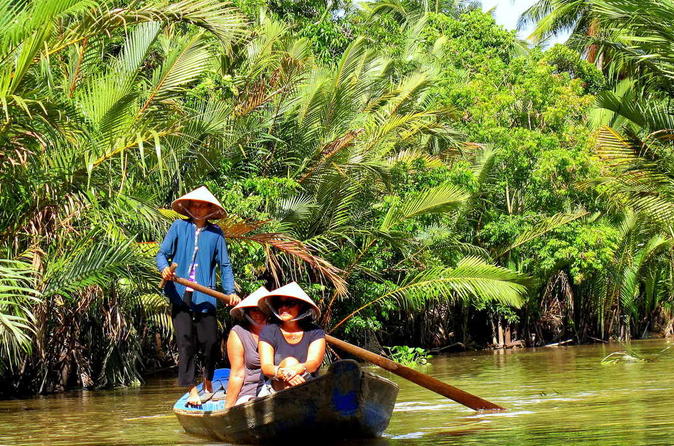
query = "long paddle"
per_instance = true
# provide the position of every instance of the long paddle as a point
(427, 381)
(430, 383)
(195, 286)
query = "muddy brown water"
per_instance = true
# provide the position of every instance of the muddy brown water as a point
(555, 396)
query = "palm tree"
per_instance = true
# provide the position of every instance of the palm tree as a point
(636, 39)
(553, 17)
(71, 118)
(638, 109)
(351, 126)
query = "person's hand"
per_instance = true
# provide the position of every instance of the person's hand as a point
(233, 299)
(298, 369)
(168, 274)
(286, 374)
(295, 380)
(293, 374)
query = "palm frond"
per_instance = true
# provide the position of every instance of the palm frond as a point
(296, 250)
(627, 106)
(547, 225)
(295, 208)
(438, 199)
(17, 295)
(640, 181)
(472, 278)
(183, 65)
(553, 17)
(409, 156)
(330, 150)
(632, 274)
(91, 262)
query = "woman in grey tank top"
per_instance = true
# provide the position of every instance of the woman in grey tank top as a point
(245, 377)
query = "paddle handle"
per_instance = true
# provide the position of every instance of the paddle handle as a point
(163, 281)
(195, 286)
(435, 385)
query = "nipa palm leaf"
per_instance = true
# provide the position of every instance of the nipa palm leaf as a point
(17, 296)
(438, 199)
(472, 278)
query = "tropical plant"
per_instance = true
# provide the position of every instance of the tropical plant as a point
(409, 356)
(635, 40)
(554, 17)
(17, 297)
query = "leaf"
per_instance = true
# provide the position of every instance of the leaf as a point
(183, 65)
(546, 225)
(438, 199)
(646, 187)
(472, 278)
(17, 297)
(94, 261)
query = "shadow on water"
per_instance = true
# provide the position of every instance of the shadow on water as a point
(555, 396)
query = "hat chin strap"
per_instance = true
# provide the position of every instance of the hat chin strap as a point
(300, 317)
(250, 319)
(187, 211)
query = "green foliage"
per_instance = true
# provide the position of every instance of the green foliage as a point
(17, 297)
(585, 251)
(408, 356)
(474, 38)
(569, 61)
(403, 161)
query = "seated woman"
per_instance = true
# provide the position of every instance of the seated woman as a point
(245, 378)
(292, 348)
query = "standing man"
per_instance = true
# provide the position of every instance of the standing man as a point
(198, 247)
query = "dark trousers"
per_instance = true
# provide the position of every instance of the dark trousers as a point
(195, 333)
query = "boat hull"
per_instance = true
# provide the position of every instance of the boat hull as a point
(345, 402)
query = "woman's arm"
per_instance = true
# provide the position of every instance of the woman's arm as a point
(293, 374)
(237, 372)
(315, 355)
(266, 351)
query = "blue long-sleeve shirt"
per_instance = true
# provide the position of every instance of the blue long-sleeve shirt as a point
(178, 247)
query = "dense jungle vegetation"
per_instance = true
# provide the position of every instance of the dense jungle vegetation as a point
(429, 178)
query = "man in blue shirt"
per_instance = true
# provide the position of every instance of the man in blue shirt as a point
(197, 247)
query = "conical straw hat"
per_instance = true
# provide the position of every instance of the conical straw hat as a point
(249, 302)
(200, 194)
(291, 290)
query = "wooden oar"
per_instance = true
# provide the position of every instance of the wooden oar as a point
(427, 381)
(195, 286)
(430, 383)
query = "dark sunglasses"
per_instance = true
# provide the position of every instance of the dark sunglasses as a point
(278, 303)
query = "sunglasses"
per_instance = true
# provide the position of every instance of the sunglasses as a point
(278, 303)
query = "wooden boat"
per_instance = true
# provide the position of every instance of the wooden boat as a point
(345, 402)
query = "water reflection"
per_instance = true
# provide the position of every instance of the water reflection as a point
(556, 396)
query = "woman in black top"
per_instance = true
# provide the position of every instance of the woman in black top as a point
(291, 350)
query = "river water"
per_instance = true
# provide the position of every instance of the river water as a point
(555, 396)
